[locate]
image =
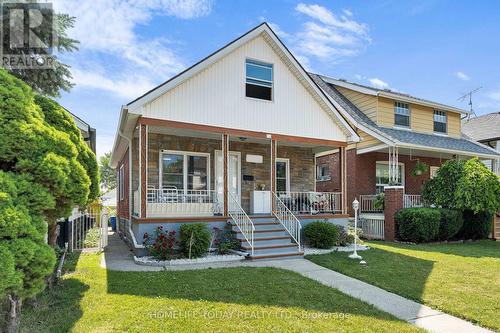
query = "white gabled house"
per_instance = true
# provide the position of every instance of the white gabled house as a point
(232, 139)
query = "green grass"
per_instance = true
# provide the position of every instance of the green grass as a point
(91, 299)
(460, 279)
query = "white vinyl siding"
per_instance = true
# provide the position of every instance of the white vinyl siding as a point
(216, 96)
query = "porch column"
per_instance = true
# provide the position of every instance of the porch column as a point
(393, 165)
(343, 179)
(143, 166)
(393, 202)
(225, 178)
(273, 172)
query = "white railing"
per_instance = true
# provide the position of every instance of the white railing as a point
(137, 204)
(177, 203)
(241, 219)
(373, 227)
(412, 200)
(287, 219)
(368, 203)
(312, 202)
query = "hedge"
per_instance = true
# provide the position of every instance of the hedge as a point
(418, 224)
(450, 224)
(476, 225)
(321, 235)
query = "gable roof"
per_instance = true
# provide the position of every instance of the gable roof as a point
(337, 114)
(483, 128)
(391, 94)
(397, 137)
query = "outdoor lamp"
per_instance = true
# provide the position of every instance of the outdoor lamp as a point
(355, 206)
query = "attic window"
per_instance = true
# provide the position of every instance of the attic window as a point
(259, 80)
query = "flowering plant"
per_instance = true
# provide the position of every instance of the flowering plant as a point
(161, 244)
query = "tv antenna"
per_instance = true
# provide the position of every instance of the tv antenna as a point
(468, 95)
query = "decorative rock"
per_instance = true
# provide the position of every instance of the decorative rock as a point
(150, 261)
(350, 248)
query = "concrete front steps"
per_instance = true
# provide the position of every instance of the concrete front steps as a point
(271, 240)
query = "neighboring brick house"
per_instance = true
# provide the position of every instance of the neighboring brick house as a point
(232, 139)
(397, 131)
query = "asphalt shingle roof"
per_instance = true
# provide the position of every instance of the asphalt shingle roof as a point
(483, 128)
(403, 136)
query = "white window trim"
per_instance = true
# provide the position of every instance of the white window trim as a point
(287, 161)
(184, 166)
(327, 177)
(386, 162)
(245, 81)
(445, 133)
(409, 115)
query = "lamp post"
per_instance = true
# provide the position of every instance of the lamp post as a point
(355, 206)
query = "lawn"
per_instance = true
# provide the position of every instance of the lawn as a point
(460, 279)
(91, 299)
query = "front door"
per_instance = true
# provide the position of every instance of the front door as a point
(234, 177)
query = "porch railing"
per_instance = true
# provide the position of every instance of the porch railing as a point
(173, 202)
(373, 227)
(241, 219)
(368, 203)
(312, 202)
(412, 200)
(287, 219)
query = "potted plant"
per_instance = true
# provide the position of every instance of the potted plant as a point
(419, 169)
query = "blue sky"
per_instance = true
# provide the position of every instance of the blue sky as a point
(432, 49)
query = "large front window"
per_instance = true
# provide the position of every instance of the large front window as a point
(382, 176)
(401, 114)
(259, 80)
(184, 171)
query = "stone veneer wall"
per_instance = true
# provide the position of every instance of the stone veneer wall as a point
(301, 161)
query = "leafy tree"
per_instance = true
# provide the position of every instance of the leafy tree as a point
(25, 259)
(464, 185)
(106, 173)
(43, 142)
(49, 81)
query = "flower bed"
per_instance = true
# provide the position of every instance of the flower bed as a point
(151, 261)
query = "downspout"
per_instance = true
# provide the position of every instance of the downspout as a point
(130, 194)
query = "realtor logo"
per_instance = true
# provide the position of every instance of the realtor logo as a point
(27, 35)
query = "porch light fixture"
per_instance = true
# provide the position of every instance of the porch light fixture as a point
(355, 206)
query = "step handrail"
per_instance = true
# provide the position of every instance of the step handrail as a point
(285, 216)
(242, 221)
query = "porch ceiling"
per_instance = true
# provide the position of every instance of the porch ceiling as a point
(421, 152)
(216, 136)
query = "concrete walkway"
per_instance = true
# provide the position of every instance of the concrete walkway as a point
(118, 257)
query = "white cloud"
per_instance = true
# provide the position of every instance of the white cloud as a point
(326, 35)
(462, 76)
(377, 83)
(107, 28)
(278, 31)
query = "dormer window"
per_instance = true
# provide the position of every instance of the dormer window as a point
(259, 80)
(439, 121)
(401, 114)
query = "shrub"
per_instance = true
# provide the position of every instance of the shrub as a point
(450, 224)
(345, 237)
(418, 224)
(223, 240)
(161, 244)
(195, 240)
(321, 235)
(476, 225)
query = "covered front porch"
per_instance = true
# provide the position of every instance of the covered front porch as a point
(194, 172)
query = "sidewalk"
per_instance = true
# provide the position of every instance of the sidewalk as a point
(118, 257)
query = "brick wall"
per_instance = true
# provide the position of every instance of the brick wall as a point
(361, 173)
(393, 202)
(301, 161)
(122, 206)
